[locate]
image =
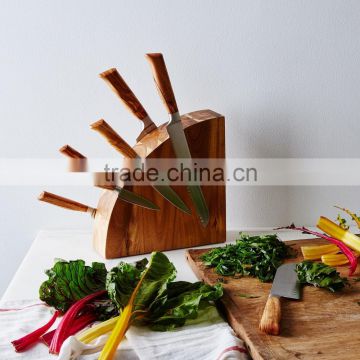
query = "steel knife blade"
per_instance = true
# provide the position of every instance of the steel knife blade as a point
(176, 131)
(125, 149)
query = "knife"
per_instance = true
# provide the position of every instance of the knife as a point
(119, 86)
(124, 194)
(77, 161)
(175, 129)
(126, 150)
(285, 284)
(66, 203)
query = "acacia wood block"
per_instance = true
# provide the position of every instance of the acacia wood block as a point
(144, 230)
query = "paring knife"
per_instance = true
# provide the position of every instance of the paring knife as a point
(126, 150)
(66, 203)
(285, 284)
(126, 195)
(175, 129)
(99, 181)
(119, 86)
(77, 161)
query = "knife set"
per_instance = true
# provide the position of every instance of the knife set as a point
(132, 219)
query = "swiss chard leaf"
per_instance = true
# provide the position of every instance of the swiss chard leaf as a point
(160, 303)
(257, 256)
(320, 275)
(180, 302)
(71, 281)
(121, 281)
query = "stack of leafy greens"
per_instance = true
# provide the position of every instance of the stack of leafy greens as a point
(257, 256)
(320, 275)
(143, 293)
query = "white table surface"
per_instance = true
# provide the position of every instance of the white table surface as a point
(76, 244)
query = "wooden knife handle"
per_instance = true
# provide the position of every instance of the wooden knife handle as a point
(119, 86)
(162, 81)
(114, 138)
(64, 202)
(70, 152)
(270, 320)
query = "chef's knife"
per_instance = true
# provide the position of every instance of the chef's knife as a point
(285, 284)
(175, 129)
(125, 149)
(119, 86)
(66, 203)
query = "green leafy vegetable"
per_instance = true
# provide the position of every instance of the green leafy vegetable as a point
(180, 302)
(160, 303)
(342, 222)
(257, 256)
(121, 281)
(71, 281)
(320, 275)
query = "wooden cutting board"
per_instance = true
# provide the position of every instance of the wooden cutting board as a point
(321, 325)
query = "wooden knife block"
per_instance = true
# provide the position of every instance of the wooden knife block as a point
(122, 229)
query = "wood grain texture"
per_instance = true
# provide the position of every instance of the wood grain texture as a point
(110, 232)
(113, 138)
(162, 81)
(77, 162)
(322, 325)
(64, 202)
(131, 102)
(119, 86)
(170, 228)
(70, 152)
(271, 317)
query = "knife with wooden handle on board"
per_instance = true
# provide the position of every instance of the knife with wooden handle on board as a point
(175, 129)
(126, 150)
(286, 284)
(119, 86)
(66, 203)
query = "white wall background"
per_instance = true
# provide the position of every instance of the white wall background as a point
(285, 73)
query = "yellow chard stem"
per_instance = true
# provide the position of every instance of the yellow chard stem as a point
(315, 252)
(334, 260)
(100, 329)
(337, 232)
(121, 325)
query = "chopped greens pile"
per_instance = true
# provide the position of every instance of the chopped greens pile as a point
(320, 275)
(257, 256)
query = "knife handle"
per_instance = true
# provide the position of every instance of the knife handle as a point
(70, 152)
(162, 81)
(114, 138)
(65, 203)
(119, 86)
(270, 320)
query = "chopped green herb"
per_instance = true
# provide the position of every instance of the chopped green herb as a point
(257, 256)
(320, 275)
